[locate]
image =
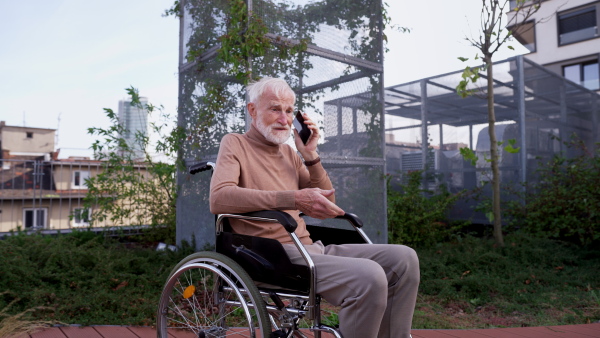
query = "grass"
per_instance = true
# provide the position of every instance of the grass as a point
(531, 282)
(86, 279)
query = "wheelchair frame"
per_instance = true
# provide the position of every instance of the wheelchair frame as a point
(240, 262)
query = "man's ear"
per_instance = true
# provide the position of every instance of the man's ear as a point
(251, 109)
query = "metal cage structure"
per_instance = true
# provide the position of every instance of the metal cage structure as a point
(338, 80)
(427, 123)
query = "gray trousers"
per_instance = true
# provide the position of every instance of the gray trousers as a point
(375, 285)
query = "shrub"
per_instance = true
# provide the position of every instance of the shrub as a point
(83, 278)
(417, 216)
(565, 203)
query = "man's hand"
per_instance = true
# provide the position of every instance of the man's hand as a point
(308, 150)
(314, 203)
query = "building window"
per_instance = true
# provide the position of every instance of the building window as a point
(525, 34)
(81, 217)
(29, 134)
(586, 74)
(79, 177)
(34, 217)
(577, 25)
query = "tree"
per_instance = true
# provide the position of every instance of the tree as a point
(494, 35)
(133, 190)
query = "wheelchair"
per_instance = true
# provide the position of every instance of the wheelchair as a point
(249, 287)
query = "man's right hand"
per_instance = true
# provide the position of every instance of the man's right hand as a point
(314, 203)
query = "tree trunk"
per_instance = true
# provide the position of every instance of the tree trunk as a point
(494, 153)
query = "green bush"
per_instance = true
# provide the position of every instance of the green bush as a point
(83, 278)
(417, 217)
(565, 203)
(530, 281)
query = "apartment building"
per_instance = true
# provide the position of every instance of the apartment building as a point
(37, 189)
(563, 37)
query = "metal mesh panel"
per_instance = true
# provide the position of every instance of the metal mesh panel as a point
(533, 107)
(337, 80)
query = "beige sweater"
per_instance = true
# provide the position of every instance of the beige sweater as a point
(254, 174)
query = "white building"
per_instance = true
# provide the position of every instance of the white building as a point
(563, 37)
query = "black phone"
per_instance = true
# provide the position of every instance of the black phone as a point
(301, 127)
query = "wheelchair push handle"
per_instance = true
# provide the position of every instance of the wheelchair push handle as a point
(201, 166)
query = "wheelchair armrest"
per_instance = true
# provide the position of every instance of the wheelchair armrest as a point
(352, 218)
(285, 219)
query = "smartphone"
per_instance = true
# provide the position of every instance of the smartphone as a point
(301, 127)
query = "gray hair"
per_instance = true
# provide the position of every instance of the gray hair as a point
(278, 86)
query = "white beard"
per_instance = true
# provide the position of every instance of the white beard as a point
(273, 136)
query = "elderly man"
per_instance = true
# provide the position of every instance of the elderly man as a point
(375, 285)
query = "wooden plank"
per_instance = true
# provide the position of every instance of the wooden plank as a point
(432, 333)
(570, 331)
(540, 332)
(512, 332)
(80, 332)
(181, 334)
(53, 332)
(115, 332)
(591, 330)
(143, 331)
(464, 333)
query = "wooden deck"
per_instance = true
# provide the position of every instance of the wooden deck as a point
(567, 331)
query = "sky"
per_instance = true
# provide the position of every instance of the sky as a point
(63, 61)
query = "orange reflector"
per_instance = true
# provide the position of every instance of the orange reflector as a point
(189, 291)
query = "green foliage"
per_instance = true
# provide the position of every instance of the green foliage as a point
(469, 155)
(417, 217)
(470, 75)
(530, 282)
(229, 46)
(565, 202)
(83, 278)
(132, 188)
(510, 147)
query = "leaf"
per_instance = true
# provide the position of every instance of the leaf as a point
(463, 59)
(490, 216)
(510, 47)
(121, 285)
(469, 155)
(509, 148)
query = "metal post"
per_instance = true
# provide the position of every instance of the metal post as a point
(382, 117)
(471, 137)
(520, 93)
(595, 121)
(441, 136)
(563, 127)
(339, 127)
(424, 141)
(248, 120)
(179, 231)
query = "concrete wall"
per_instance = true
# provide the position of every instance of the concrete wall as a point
(16, 140)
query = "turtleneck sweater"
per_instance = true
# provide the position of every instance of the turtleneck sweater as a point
(254, 174)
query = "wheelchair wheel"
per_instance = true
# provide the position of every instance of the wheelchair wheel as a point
(210, 295)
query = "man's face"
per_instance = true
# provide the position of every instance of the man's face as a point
(272, 115)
